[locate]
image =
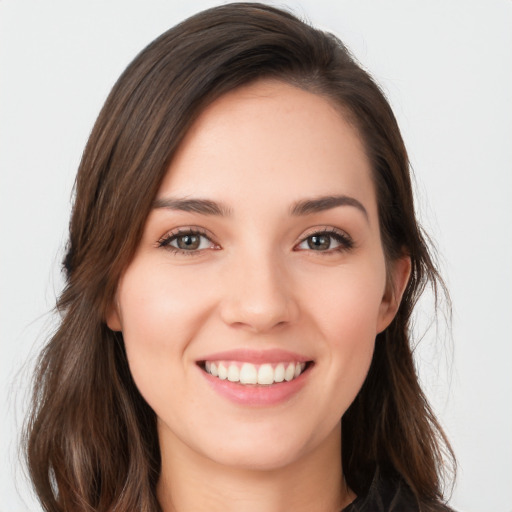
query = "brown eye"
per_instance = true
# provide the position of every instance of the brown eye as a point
(188, 242)
(319, 242)
(328, 241)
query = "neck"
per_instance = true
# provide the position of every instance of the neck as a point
(315, 481)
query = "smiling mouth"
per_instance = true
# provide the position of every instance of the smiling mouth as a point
(249, 374)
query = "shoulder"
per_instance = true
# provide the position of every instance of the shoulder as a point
(391, 496)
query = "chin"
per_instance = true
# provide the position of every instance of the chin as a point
(270, 459)
(265, 451)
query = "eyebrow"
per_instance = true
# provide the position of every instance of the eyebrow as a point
(202, 206)
(320, 204)
(300, 208)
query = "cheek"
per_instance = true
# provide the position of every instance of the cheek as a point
(346, 315)
(348, 302)
(160, 313)
(158, 307)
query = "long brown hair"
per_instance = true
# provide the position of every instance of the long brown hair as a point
(91, 439)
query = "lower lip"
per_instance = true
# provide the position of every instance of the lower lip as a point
(255, 395)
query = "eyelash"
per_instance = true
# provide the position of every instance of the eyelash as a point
(165, 242)
(346, 243)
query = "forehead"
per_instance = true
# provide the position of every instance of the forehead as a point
(274, 142)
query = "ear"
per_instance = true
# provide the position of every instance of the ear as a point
(113, 317)
(399, 272)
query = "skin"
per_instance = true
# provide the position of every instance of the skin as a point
(255, 283)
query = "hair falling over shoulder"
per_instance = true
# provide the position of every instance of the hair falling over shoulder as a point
(91, 440)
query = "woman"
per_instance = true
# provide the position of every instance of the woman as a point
(242, 266)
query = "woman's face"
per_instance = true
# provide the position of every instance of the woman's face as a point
(250, 309)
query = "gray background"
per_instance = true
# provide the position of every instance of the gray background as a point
(446, 68)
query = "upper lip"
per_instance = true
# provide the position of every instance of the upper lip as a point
(257, 356)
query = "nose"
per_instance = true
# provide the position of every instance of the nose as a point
(258, 294)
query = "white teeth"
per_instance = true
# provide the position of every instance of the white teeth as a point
(266, 374)
(279, 373)
(289, 372)
(233, 373)
(223, 371)
(248, 373)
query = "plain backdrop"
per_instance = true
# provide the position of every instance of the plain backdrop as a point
(446, 67)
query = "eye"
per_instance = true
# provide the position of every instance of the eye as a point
(187, 241)
(328, 240)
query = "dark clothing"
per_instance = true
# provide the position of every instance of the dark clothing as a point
(389, 496)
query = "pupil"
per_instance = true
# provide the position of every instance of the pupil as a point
(188, 242)
(316, 242)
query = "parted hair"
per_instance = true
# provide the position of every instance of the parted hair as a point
(90, 439)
